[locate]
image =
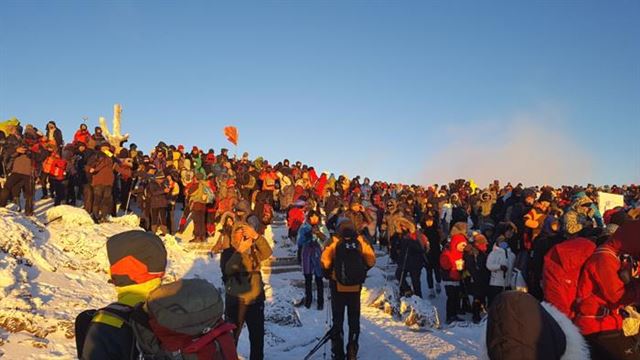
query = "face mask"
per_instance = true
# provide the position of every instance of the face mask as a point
(503, 245)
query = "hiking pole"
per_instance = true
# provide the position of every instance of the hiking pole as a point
(320, 344)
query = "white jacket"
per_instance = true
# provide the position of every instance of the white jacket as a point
(496, 259)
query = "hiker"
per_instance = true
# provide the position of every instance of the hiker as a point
(54, 136)
(20, 179)
(605, 288)
(413, 248)
(57, 172)
(500, 262)
(345, 261)
(534, 219)
(311, 237)
(548, 333)
(158, 191)
(198, 196)
(578, 220)
(102, 178)
(431, 231)
(475, 259)
(137, 263)
(453, 266)
(244, 286)
(82, 135)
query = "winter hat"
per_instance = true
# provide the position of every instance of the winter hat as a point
(181, 148)
(160, 175)
(545, 196)
(243, 206)
(346, 229)
(136, 257)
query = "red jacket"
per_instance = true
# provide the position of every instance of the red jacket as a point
(82, 136)
(601, 293)
(295, 218)
(449, 257)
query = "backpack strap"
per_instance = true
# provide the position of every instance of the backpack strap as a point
(114, 314)
(209, 336)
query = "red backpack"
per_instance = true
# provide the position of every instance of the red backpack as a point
(562, 267)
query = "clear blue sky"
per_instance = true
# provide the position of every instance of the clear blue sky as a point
(394, 90)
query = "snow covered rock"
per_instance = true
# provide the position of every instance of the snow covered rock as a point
(69, 216)
(280, 310)
(418, 312)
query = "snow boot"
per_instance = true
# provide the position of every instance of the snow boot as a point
(432, 294)
(337, 346)
(307, 302)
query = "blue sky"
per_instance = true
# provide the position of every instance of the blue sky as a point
(401, 91)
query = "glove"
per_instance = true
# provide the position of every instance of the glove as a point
(504, 268)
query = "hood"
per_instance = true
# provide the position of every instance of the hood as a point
(518, 327)
(455, 241)
(627, 238)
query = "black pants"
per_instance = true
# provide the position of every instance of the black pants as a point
(15, 184)
(431, 273)
(453, 300)
(308, 287)
(125, 190)
(340, 301)
(44, 181)
(613, 345)
(59, 188)
(401, 276)
(239, 313)
(495, 291)
(102, 201)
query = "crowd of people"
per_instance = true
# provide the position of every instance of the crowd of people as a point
(476, 243)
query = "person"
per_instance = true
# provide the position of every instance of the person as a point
(57, 176)
(244, 286)
(500, 262)
(475, 259)
(158, 191)
(54, 136)
(578, 220)
(548, 333)
(21, 176)
(82, 135)
(345, 261)
(431, 231)
(413, 248)
(453, 266)
(534, 219)
(311, 237)
(137, 261)
(102, 178)
(605, 287)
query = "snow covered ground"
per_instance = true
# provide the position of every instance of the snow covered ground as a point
(51, 272)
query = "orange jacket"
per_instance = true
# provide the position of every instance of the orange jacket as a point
(329, 254)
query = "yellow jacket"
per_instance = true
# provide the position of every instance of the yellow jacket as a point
(329, 254)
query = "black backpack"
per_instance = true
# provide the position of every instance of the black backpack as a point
(349, 265)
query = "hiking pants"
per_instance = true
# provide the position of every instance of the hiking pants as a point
(87, 197)
(158, 219)
(239, 313)
(199, 223)
(453, 300)
(308, 287)
(431, 273)
(613, 345)
(15, 184)
(401, 276)
(59, 190)
(340, 301)
(46, 188)
(102, 201)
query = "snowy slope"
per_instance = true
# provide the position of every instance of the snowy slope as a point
(50, 273)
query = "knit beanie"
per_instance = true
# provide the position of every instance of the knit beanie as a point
(136, 257)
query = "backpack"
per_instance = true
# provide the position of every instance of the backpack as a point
(349, 265)
(210, 196)
(562, 267)
(267, 213)
(180, 320)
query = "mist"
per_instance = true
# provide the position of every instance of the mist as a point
(528, 149)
